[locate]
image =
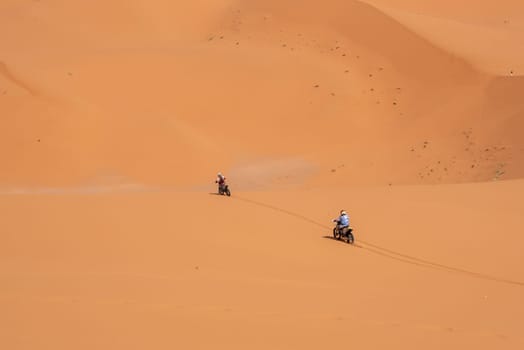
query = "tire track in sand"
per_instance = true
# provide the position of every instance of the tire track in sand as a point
(7, 74)
(389, 253)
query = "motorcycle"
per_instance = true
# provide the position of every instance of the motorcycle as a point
(223, 189)
(347, 233)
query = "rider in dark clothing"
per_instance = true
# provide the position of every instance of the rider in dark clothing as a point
(221, 181)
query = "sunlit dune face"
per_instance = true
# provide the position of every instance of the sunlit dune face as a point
(115, 117)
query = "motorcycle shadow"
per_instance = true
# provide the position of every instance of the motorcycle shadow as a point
(216, 194)
(341, 241)
(330, 237)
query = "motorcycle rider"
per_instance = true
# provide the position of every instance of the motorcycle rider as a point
(342, 222)
(221, 181)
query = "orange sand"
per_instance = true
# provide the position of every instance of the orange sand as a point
(116, 115)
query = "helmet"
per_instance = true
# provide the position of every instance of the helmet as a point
(343, 212)
(219, 174)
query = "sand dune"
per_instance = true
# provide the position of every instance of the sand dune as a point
(138, 270)
(487, 36)
(116, 115)
(320, 70)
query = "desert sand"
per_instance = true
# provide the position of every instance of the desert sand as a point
(117, 115)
